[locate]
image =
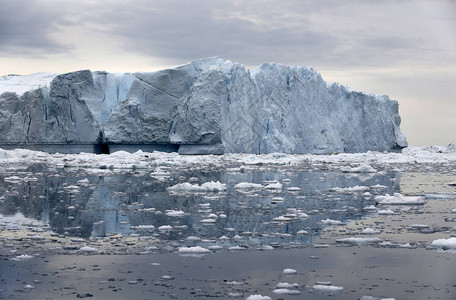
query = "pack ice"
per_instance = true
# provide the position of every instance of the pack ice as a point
(208, 106)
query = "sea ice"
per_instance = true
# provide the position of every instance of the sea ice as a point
(449, 243)
(398, 199)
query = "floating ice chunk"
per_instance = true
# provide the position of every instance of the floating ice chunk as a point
(236, 248)
(196, 249)
(275, 185)
(386, 212)
(286, 292)
(205, 187)
(355, 240)
(88, 249)
(258, 297)
(328, 221)
(453, 211)
(22, 257)
(398, 199)
(449, 243)
(247, 185)
(369, 230)
(282, 219)
(361, 169)
(289, 271)
(83, 181)
(175, 213)
(294, 189)
(164, 228)
(418, 226)
(208, 221)
(379, 186)
(29, 286)
(286, 285)
(354, 189)
(370, 208)
(302, 232)
(143, 227)
(327, 288)
(13, 179)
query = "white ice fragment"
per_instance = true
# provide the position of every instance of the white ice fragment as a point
(247, 185)
(294, 189)
(398, 199)
(328, 221)
(286, 292)
(327, 288)
(275, 185)
(354, 189)
(22, 257)
(258, 297)
(364, 168)
(175, 213)
(165, 228)
(369, 230)
(289, 271)
(196, 249)
(88, 249)
(29, 286)
(205, 187)
(449, 243)
(386, 212)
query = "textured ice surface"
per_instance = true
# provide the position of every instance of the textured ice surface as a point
(207, 106)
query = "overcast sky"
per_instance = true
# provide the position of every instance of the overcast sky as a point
(403, 48)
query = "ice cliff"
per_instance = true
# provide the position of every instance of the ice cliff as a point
(206, 106)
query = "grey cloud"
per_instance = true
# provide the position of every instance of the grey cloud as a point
(250, 32)
(25, 28)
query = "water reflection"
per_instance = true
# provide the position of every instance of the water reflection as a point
(85, 205)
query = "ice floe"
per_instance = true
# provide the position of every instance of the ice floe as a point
(398, 199)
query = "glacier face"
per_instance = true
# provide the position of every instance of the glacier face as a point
(206, 106)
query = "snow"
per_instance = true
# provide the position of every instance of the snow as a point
(20, 84)
(196, 249)
(398, 199)
(449, 243)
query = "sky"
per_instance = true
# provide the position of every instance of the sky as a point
(403, 48)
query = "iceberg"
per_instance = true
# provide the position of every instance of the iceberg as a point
(208, 106)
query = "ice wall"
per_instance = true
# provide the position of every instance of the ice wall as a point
(206, 106)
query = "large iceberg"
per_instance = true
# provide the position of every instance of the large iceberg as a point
(203, 107)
